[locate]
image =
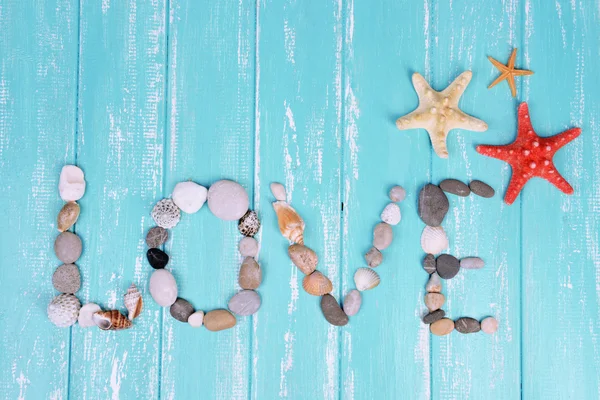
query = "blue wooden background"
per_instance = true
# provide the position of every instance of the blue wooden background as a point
(143, 94)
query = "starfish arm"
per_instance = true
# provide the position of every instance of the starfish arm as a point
(438, 141)
(465, 121)
(517, 181)
(511, 84)
(499, 152)
(421, 87)
(458, 86)
(524, 122)
(498, 64)
(499, 79)
(557, 141)
(411, 121)
(522, 72)
(561, 183)
(511, 60)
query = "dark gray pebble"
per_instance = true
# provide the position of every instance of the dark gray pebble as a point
(433, 205)
(156, 236)
(332, 311)
(455, 186)
(467, 325)
(181, 310)
(447, 266)
(429, 263)
(434, 316)
(157, 258)
(482, 189)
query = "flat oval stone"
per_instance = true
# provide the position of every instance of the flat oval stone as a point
(67, 279)
(433, 205)
(382, 236)
(304, 258)
(218, 320)
(373, 257)
(434, 285)
(352, 302)
(163, 287)
(195, 320)
(397, 194)
(332, 311)
(442, 327)
(228, 200)
(181, 310)
(482, 189)
(248, 247)
(434, 316)
(68, 247)
(489, 325)
(455, 186)
(391, 214)
(189, 196)
(429, 263)
(156, 236)
(67, 216)
(157, 258)
(250, 276)
(434, 301)
(471, 263)
(467, 325)
(246, 302)
(447, 266)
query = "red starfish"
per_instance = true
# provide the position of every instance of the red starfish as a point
(530, 155)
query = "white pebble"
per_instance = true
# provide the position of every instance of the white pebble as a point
(248, 247)
(278, 191)
(391, 214)
(489, 325)
(228, 200)
(71, 184)
(85, 315)
(196, 319)
(189, 196)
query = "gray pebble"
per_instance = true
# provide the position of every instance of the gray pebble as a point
(471, 263)
(373, 257)
(67, 279)
(156, 236)
(68, 247)
(455, 186)
(248, 247)
(433, 205)
(447, 266)
(434, 316)
(352, 302)
(481, 189)
(332, 311)
(397, 194)
(467, 325)
(429, 263)
(382, 236)
(181, 310)
(246, 302)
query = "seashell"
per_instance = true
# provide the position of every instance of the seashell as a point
(63, 310)
(86, 313)
(365, 279)
(434, 239)
(111, 320)
(166, 214)
(189, 196)
(391, 214)
(71, 184)
(291, 224)
(278, 191)
(249, 224)
(67, 216)
(317, 284)
(133, 302)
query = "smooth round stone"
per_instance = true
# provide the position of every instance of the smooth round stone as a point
(482, 189)
(332, 311)
(429, 263)
(489, 325)
(248, 247)
(181, 310)
(67, 216)
(84, 319)
(352, 302)
(433, 205)
(228, 200)
(250, 275)
(442, 327)
(397, 194)
(156, 236)
(163, 287)
(455, 186)
(68, 247)
(278, 191)
(382, 236)
(373, 257)
(447, 266)
(195, 320)
(391, 214)
(67, 279)
(71, 184)
(304, 258)
(249, 224)
(434, 301)
(218, 320)
(246, 302)
(189, 196)
(467, 325)
(434, 285)
(157, 258)
(471, 263)
(434, 316)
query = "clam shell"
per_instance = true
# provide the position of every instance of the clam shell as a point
(317, 284)
(64, 310)
(133, 302)
(67, 216)
(365, 279)
(291, 224)
(111, 320)
(434, 239)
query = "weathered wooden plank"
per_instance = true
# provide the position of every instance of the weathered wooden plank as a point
(299, 105)
(386, 336)
(561, 261)
(120, 148)
(38, 76)
(210, 137)
(478, 365)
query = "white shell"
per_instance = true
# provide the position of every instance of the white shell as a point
(434, 285)
(63, 310)
(228, 200)
(86, 313)
(163, 287)
(166, 214)
(434, 240)
(71, 184)
(391, 214)
(278, 191)
(196, 319)
(133, 302)
(365, 279)
(189, 196)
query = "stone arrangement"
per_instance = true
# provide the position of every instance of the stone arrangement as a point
(433, 207)
(65, 309)
(228, 201)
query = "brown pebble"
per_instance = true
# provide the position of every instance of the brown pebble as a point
(442, 327)
(218, 320)
(304, 258)
(250, 275)
(373, 257)
(434, 301)
(67, 216)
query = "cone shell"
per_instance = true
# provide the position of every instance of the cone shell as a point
(365, 279)
(111, 320)
(291, 224)
(434, 239)
(317, 284)
(133, 302)
(67, 216)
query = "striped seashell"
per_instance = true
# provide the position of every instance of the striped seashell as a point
(317, 284)
(365, 279)
(133, 302)
(434, 239)
(111, 320)
(291, 224)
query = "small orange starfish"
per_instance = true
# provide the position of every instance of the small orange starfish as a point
(508, 72)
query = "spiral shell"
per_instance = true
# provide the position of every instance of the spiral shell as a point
(111, 320)
(291, 224)
(166, 214)
(365, 279)
(434, 239)
(317, 284)
(133, 302)
(67, 216)
(63, 310)
(249, 224)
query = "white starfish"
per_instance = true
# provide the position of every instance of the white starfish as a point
(438, 112)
